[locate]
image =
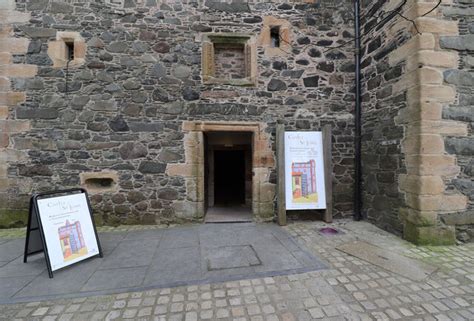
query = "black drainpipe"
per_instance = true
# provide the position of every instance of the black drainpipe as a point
(357, 116)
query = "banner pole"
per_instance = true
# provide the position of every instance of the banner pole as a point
(280, 146)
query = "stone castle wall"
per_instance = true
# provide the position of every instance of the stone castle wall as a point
(382, 100)
(424, 79)
(461, 110)
(124, 117)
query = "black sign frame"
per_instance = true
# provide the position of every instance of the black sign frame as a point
(34, 230)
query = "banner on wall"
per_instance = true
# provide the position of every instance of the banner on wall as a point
(304, 171)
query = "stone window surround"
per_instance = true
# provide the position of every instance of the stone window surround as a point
(265, 39)
(57, 49)
(208, 58)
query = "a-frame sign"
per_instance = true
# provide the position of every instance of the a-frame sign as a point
(60, 224)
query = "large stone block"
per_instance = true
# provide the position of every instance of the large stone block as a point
(443, 59)
(430, 93)
(429, 235)
(14, 16)
(421, 185)
(461, 113)
(437, 203)
(149, 167)
(460, 146)
(7, 5)
(417, 217)
(419, 76)
(38, 32)
(36, 113)
(464, 218)
(188, 210)
(14, 126)
(465, 42)
(441, 127)
(22, 143)
(420, 111)
(195, 190)
(423, 144)
(4, 139)
(18, 71)
(444, 165)
(14, 45)
(459, 77)
(419, 42)
(437, 26)
(185, 170)
(3, 112)
(5, 58)
(263, 211)
(263, 191)
(11, 155)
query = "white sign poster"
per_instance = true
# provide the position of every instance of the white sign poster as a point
(304, 171)
(68, 229)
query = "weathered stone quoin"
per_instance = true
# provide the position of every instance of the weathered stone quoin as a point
(118, 96)
(419, 147)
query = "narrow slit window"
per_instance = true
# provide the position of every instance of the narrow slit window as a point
(69, 50)
(275, 36)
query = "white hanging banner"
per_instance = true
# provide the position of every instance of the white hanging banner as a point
(304, 171)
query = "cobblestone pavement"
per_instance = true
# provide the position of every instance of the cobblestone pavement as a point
(351, 289)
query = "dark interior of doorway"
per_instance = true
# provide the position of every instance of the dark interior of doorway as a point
(229, 177)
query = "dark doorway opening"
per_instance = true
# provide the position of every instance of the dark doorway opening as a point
(228, 176)
(229, 179)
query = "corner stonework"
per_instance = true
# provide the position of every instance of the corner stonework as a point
(10, 216)
(429, 167)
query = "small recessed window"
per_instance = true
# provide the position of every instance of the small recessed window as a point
(275, 36)
(69, 50)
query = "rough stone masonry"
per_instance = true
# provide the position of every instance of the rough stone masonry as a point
(118, 95)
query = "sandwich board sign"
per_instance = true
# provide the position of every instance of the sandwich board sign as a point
(61, 225)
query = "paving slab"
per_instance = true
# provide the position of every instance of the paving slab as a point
(16, 267)
(66, 282)
(147, 259)
(11, 285)
(131, 253)
(180, 237)
(176, 266)
(120, 278)
(12, 249)
(390, 261)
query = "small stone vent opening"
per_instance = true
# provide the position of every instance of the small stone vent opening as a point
(275, 37)
(229, 61)
(99, 182)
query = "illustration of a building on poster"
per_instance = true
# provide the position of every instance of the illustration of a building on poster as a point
(304, 171)
(68, 229)
(72, 241)
(303, 181)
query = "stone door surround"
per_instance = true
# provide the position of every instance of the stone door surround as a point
(263, 161)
